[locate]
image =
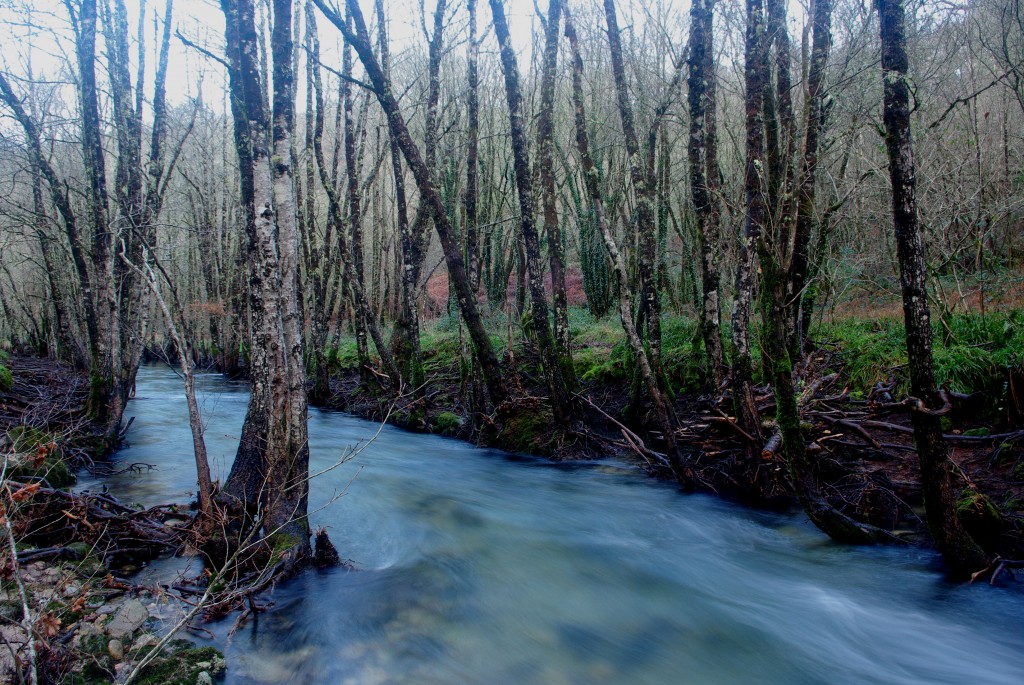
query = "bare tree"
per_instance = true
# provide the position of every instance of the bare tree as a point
(959, 550)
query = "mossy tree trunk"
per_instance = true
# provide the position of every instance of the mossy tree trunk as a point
(702, 155)
(555, 373)
(959, 550)
(271, 468)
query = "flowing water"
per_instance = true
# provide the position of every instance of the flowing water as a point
(476, 566)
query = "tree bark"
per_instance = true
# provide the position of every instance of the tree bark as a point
(546, 173)
(642, 177)
(472, 150)
(961, 553)
(663, 409)
(271, 466)
(551, 360)
(755, 68)
(355, 215)
(405, 341)
(704, 175)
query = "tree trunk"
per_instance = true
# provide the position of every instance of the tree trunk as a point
(959, 550)
(546, 172)
(554, 371)
(642, 177)
(754, 181)
(271, 466)
(663, 409)
(355, 217)
(472, 150)
(428, 192)
(106, 396)
(405, 341)
(704, 175)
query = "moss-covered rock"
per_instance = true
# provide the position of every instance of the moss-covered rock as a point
(39, 456)
(526, 430)
(448, 423)
(6, 380)
(980, 516)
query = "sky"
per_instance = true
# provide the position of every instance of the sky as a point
(43, 25)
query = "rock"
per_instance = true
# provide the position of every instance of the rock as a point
(143, 641)
(116, 649)
(129, 617)
(106, 609)
(204, 678)
(175, 523)
(72, 590)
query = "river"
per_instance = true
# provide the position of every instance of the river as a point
(477, 566)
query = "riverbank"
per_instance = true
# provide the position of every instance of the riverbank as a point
(68, 609)
(852, 387)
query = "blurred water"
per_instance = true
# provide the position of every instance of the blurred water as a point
(476, 566)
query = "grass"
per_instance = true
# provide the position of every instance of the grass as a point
(972, 353)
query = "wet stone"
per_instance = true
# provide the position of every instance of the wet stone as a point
(128, 618)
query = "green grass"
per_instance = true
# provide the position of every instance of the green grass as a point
(972, 354)
(6, 380)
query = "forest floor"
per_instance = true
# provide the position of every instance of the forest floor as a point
(852, 390)
(65, 591)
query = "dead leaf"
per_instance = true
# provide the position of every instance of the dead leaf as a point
(48, 624)
(25, 492)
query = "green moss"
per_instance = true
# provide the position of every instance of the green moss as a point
(448, 423)
(26, 442)
(182, 665)
(972, 353)
(6, 380)
(524, 431)
(975, 506)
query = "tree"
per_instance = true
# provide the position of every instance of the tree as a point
(961, 553)
(360, 40)
(555, 370)
(115, 302)
(271, 466)
(703, 159)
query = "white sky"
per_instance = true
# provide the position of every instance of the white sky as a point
(201, 21)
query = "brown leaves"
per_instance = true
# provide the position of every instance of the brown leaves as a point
(24, 493)
(48, 625)
(42, 452)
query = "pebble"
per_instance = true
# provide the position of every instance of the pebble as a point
(116, 649)
(72, 590)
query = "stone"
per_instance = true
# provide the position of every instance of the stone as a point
(129, 617)
(116, 649)
(143, 641)
(72, 590)
(204, 678)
